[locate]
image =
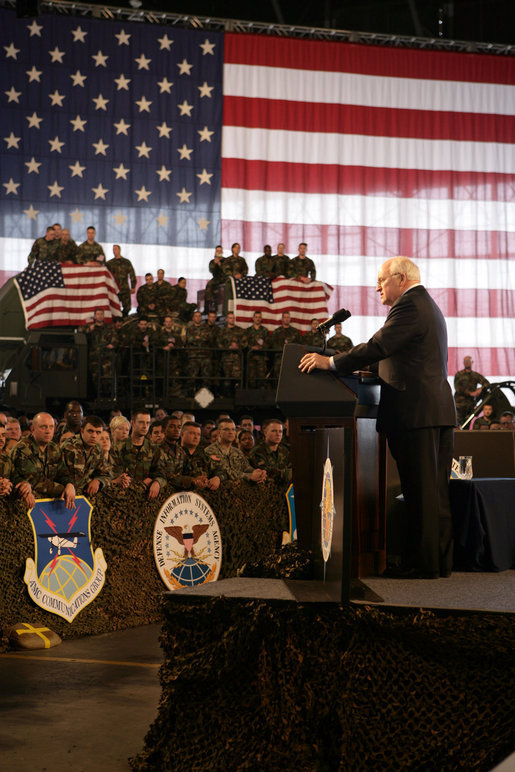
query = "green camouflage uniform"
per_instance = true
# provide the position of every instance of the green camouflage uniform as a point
(164, 295)
(465, 381)
(41, 468)
(257, 359)
(481, 421)
(66, 252)
(175, 457)
(82, 466)
(302, 266)
(89, 252)
(196, 464)
(340, 343)
(233, 265)
(211, 292)
(179, 303)
(100, 357)
(313, 339)
(5, 464)
(147, 300)
(142, 355)
(265, 266)
(199, 338)
(230, 466)
(43, 250)
(280, 336)
(276, 462)
(123, 270)
(173, 358)
(141, 461)
(281, 265)
(232, 357)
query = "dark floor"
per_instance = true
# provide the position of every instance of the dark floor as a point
(84, 706)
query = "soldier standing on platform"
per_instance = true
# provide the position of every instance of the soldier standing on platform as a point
(171, 339)
(44, 248)
(281, 261)
(122, 270)
(214, 284)
(258, 340)
(164, 294)
(302, 267)
(282, 335)
(90, 251)
(265, 265)
(102, 340)
(467, 387)
(232, 340)
(146, 297)
(179, 300)
(198, 340)
(314, 337)
(235, 265)
(67, 249)
(339, 342)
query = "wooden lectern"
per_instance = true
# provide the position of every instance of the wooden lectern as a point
(333, 416)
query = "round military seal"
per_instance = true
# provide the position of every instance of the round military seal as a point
(187, 542)
(327, 510)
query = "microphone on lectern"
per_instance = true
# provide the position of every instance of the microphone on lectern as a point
(336, 318)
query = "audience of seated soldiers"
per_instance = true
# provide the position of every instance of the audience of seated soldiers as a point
(270, 455)
(232, 462)
(484, 421)
(12, 432)
(72, 421)
(83, 459)
(245, 441)
(198, 470)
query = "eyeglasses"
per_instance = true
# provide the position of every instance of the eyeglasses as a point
(380, 281)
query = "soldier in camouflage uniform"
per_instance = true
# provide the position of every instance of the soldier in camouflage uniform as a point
(102, 341)
(281, 261)
(214, 284)
(258, 339)
(169, 342)
(198, 471)
(83, 458)
(5, 465)
(44, 248)
(123, 270)
(314, 337)
(265, 265)
(171, 446)
(164, 294)
(235, 265)
(280, 336)
(339, 342)
(484, 421)
(271, 455)
(230, 462)
(467, 388)
(139, 338)
(36, 465)
(302, 267)
(198, 340)
(232, 340)
(179, 302)
(138, 459)
(146, 298)
(90, 251)
(67, 250)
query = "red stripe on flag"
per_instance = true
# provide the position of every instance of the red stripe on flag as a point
(274, 114)
(264, 176)
(367, 60)
(372, 242)
(491, 361)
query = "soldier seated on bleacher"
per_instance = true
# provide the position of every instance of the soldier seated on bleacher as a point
(83, 458)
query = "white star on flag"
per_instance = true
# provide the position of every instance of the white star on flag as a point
(204, 177)
(122, 82)
(165, 42)
(56, 98)
(121, 172)
(78, 123)
(165, 85)
(34, 74)
(142, 62)
(184, 196)
(185, 152)
(184, 67)
(35, 29)
(207, 47)
(203, 223)
(55, 145)
(205, 90)
(100, 147)
(78, 79)
(123, 38)
(164, 130)
(143, 150)
(11, 187)
(34, 121)
(12, 95)
(32, 166)
(57, 55)
(204, 134)
(143, 104)
(76, 215)
(76, 169)
(55, 189)
(100, 59)
(164, 173)
(185, 108)
(11, 52)
(122, 127)
(12, 141)
(31, 213)
(143, 194)
(79, 35)
(100, 191)
(100, 102)
(162, 219)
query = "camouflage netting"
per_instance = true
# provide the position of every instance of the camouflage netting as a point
(251, 520)
(271, 685)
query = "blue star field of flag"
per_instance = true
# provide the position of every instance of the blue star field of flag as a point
(38, 277)
(114, 124)
(254, 288)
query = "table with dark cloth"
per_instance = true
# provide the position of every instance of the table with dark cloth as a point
(483, 515)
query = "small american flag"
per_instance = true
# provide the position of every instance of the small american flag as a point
(274, 296)
(54, 296)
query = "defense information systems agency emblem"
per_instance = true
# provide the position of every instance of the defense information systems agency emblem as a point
(187, 542)
(65, 575)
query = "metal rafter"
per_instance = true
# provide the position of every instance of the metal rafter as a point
(111, 12)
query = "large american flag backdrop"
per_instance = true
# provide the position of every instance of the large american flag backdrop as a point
(171, 141)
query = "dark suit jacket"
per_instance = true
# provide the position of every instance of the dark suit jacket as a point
(411, 349)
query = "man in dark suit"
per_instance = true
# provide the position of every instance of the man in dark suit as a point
(416, 411)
